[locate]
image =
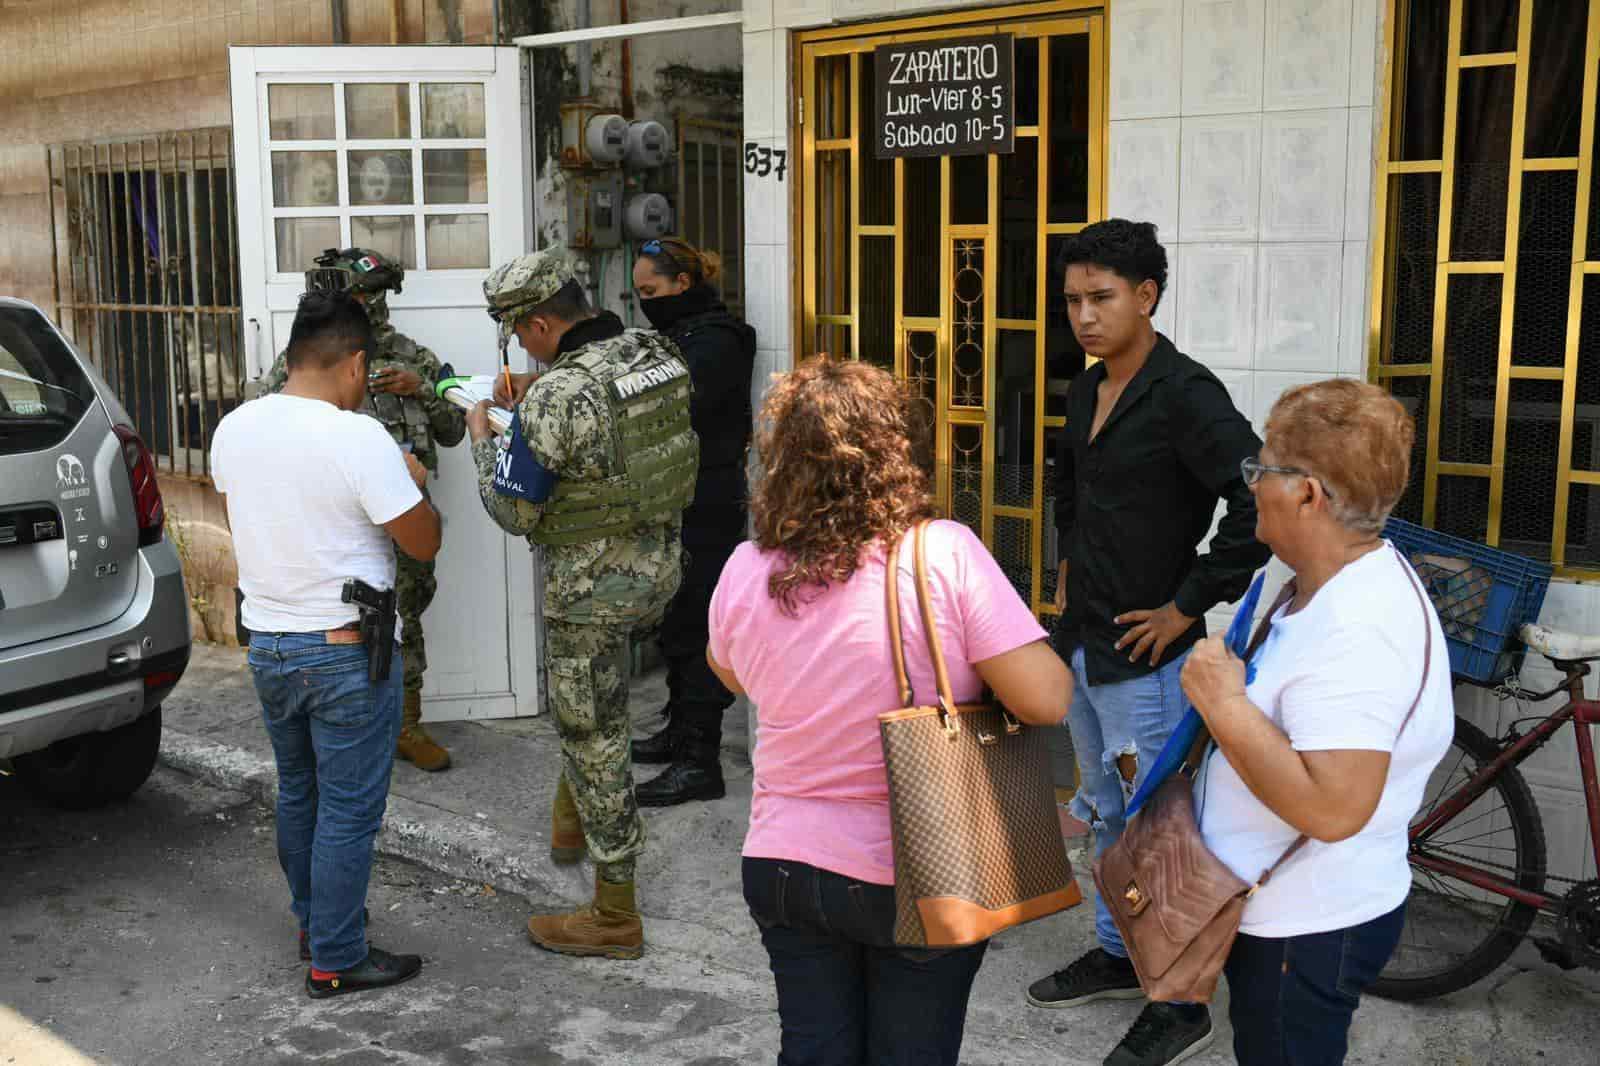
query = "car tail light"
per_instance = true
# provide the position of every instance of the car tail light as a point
(163, 678)
(146, 492)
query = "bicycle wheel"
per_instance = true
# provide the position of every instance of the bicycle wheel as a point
(1456, 933)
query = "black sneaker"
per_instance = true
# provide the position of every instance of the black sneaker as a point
(379, 969)
(1164, 1033)
(1096, 975)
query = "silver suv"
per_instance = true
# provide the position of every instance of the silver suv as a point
(94, 619)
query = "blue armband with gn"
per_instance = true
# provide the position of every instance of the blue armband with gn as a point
(517, 473)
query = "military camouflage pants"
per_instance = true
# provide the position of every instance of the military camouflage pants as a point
(588, 692)
(414, 585)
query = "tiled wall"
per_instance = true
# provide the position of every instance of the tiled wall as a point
(1243, 128)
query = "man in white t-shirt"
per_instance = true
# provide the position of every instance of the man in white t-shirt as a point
(318, 494)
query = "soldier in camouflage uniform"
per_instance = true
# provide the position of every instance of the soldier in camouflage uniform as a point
(596, 469)
(400, 395)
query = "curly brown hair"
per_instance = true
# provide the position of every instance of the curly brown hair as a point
(841, 446)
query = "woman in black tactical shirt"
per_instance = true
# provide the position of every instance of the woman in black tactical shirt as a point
(674, 283)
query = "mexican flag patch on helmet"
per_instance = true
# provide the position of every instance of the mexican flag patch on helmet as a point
(366, 264)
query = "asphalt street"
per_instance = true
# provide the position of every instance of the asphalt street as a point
(159, 932)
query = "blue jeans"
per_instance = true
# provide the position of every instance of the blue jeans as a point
(847, 996)
(1293, 997)
(333, 733)
(1107, 722)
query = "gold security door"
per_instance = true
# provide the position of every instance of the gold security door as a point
(941, 268)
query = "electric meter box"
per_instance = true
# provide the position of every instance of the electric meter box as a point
(647, 143)
(648, 215)
(607, 139)
(595, 212)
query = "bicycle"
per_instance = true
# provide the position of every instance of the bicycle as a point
(1478, 846)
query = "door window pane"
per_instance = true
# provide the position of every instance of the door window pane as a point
(393, 235)
(455, 176)
(453, 110)
(305, 179)
(300, 112)
(380, 177)
(457, 242)
(1070, 129)
(301, 240)
(377, 112)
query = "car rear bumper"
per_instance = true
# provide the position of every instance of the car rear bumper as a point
(104, 677)
(94, 711)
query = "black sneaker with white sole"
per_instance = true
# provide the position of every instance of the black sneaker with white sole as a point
(380, 969)
(1163, 1034)
(1095, 975)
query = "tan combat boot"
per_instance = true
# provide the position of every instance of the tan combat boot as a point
(415, 745)
(567, 843)
(608, 927)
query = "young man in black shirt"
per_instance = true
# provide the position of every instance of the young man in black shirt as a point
(1152, 442)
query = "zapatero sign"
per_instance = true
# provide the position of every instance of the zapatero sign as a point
(945, 97)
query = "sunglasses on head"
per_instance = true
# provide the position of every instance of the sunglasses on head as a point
(656, 248)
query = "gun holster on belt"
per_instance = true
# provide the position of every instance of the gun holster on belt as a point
(239, 631)
(377, 608)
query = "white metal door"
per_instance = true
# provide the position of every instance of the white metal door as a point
(417, 153)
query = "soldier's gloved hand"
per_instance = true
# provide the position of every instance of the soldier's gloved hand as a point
(397, 380)
(519, 388)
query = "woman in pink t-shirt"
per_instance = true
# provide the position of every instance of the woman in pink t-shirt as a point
(797, 622)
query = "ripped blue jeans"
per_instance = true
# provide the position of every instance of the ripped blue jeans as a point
(1125, 718)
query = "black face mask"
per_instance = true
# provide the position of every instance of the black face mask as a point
(665, 311)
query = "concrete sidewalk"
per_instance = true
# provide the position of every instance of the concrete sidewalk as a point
(487, 820)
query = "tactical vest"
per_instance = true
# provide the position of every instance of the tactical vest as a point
(647, 389)
(402, 416)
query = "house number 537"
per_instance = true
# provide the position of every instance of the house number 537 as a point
(765, 162)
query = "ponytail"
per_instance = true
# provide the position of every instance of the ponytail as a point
(670, 256)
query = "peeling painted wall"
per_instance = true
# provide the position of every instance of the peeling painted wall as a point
(697, 73)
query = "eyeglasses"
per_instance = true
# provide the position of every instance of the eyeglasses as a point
(1253, 470)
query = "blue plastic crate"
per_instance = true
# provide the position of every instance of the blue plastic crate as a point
(1483, 596)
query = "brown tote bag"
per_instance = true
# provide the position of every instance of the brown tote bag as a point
(977, 844)
(1176, 904)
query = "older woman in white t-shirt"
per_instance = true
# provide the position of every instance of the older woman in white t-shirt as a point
(1323, 740)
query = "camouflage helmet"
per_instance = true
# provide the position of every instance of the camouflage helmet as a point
(357, 269)
(515, 288)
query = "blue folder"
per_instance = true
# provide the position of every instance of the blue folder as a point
(1182, 738)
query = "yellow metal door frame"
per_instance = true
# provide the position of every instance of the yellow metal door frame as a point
(821, 127)
(1512, 366)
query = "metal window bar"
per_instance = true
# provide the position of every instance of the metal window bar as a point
(833, 304)
(145, 280)
(1503, 412)
(710, 169)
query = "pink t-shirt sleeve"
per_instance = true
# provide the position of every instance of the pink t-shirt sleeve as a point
(994, 618)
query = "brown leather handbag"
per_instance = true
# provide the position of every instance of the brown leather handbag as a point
(1176, 904)
(977, 844)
